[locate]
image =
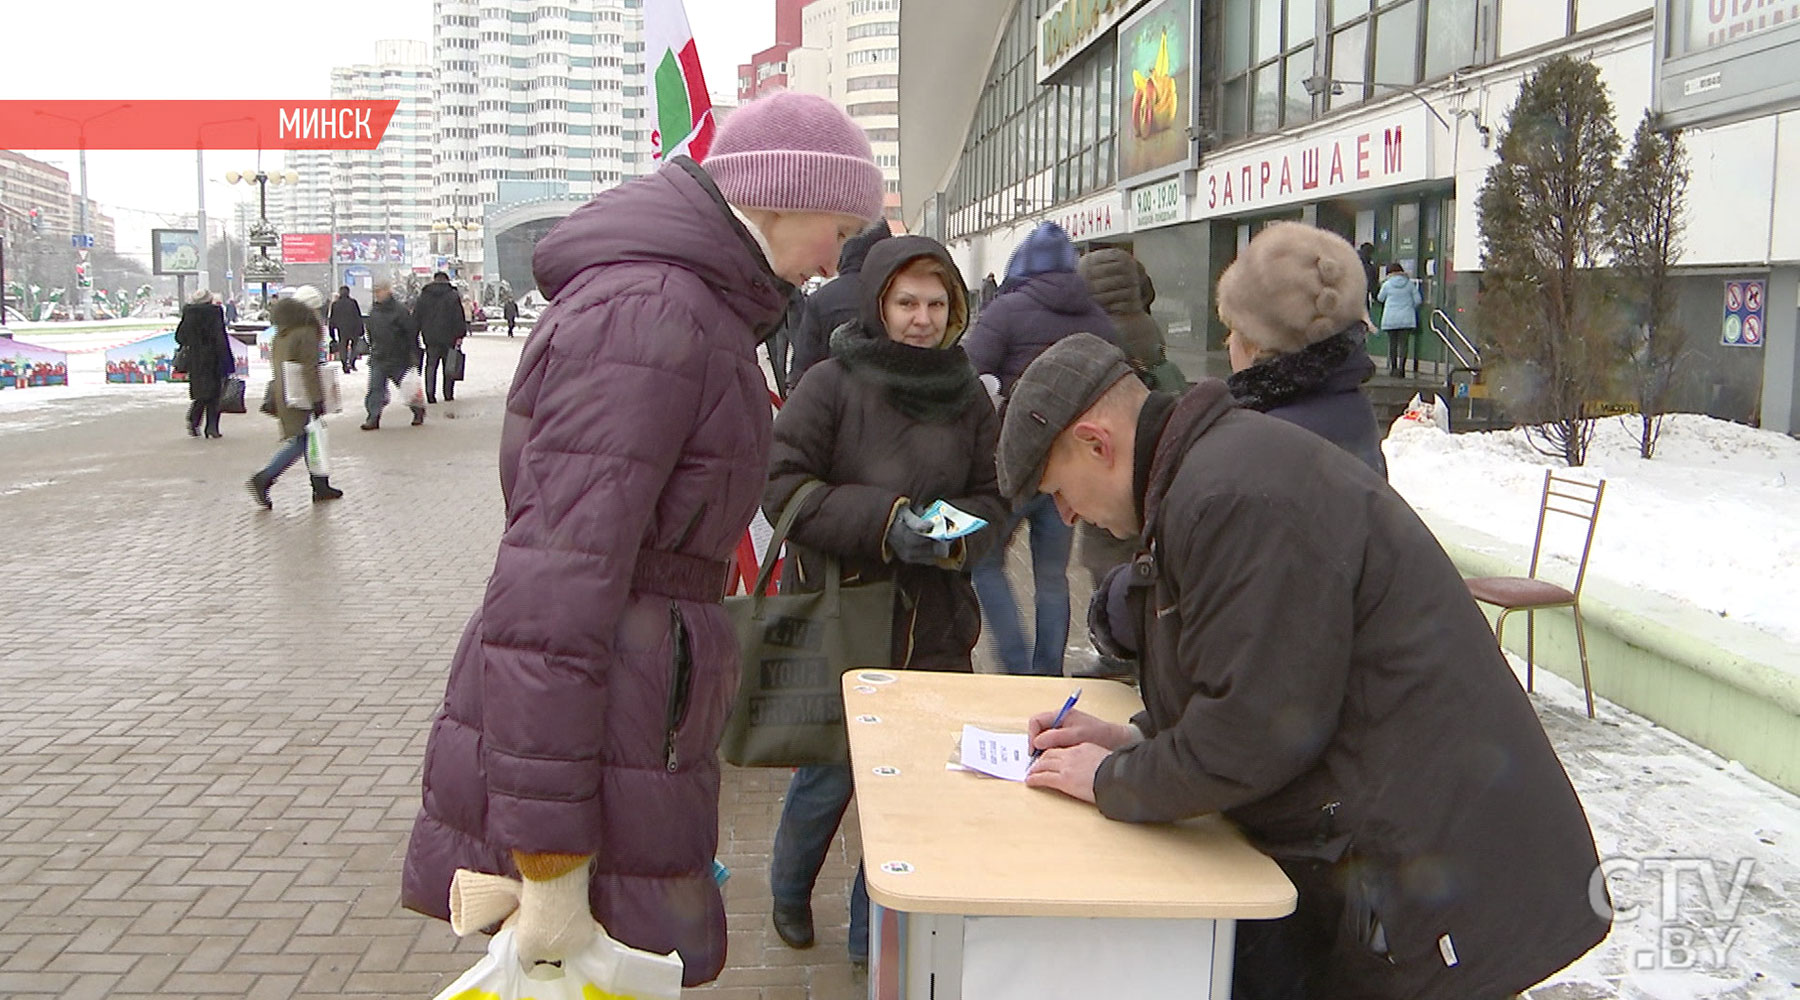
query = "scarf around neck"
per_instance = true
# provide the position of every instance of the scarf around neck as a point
(929, 384)
(1265, 386)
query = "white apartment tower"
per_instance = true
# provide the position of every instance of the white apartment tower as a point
(546, 94)
(850, 53)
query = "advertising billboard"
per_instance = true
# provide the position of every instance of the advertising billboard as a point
(371, 248)
(174, 251)
(1155, 89)
(306, 248)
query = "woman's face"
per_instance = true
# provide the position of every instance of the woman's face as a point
(916, 309)
(806, 244)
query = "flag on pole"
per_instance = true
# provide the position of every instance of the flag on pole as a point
(678, 97)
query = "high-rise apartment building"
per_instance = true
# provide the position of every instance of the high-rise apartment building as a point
(767, 71)
(28, 185)
(849, 52)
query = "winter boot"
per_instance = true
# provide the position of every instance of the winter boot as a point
(418, 415)
(372, 424)
(323, 490)
(259, 490)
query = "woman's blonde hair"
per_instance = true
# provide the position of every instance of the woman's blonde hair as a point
(959, 307)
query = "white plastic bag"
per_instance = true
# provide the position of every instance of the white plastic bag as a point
(318, 451)
(411, 390)
(1427, 414)
(604, 969)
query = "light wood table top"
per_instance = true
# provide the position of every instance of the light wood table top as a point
(942, 841)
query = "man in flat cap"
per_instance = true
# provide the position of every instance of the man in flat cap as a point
(1313, 668)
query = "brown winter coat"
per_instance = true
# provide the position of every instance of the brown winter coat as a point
(844, 425)
(298, 338)
(1314, 669)
(1122, 287)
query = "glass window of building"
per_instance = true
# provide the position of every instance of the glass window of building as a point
(1264, 45)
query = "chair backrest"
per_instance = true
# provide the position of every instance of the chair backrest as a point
(1573, 498)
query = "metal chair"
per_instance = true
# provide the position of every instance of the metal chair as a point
(1562, 495)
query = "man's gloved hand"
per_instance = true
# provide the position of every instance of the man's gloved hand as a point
(553, 921)
(1111, 626)
(908, 543)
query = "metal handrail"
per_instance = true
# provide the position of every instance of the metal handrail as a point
(1472, 360)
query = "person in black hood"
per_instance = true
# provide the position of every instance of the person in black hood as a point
(1294, 303)
(439, 315)
(892, 421)
(833, 305)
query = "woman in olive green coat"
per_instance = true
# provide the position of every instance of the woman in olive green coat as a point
(298, 337)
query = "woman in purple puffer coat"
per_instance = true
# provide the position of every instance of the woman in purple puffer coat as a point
(577, 741)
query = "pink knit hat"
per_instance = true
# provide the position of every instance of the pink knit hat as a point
(793, 152)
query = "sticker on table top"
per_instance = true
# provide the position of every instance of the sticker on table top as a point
(876, 677)
(863, 689)
(897, 867)
(868, 718)
(885, 771)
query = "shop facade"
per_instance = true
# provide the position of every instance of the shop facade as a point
(1373, 119)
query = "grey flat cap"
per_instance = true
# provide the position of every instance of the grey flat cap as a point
(1058, 387)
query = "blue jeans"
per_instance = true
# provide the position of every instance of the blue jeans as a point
(292, 450)
(379, 380)
(1051, 540)
(816, 800)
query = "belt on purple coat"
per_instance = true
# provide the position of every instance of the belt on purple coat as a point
(683, 577)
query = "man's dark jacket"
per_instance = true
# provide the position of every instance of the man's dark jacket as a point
(1027, 317)
(842, 425)
(1315, 669)
(439, 314)
(838, 302)
(393, 337)
(346, 319)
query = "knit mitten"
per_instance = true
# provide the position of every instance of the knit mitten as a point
(553, 921)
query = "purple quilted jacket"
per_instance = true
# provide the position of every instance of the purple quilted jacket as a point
(587, 696)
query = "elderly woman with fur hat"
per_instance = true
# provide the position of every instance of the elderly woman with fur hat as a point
(1295, 303)
(577, 745)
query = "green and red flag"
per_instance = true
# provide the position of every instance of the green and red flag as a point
(678, 97)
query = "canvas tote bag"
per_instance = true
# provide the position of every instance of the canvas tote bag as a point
(794, 649)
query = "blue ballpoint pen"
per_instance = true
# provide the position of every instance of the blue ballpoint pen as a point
(1061, 714)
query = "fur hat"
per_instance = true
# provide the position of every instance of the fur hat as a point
(313, 298)
(793, 152)
(201, 296)
(1294, 285)
(291, 312)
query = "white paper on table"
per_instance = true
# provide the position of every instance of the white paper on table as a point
(1002, 755)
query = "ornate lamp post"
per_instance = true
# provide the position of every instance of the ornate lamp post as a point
(446, 240)
(260, 268)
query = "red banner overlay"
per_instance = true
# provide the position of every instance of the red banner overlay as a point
(306, 248)
(194, 124)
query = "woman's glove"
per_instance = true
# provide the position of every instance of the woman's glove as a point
(907, 541)
(553, 920)
(1111, 626)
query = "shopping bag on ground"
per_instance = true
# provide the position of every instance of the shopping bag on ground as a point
(293, 386)
(328, 382)
(412, 389)
(605, 968)
(231, 398)
(1423, 413)
(318, 451)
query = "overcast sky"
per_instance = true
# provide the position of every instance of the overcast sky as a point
(230, 49)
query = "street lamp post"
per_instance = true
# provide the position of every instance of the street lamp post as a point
(262, 268)
(81, 124)
(200, 182)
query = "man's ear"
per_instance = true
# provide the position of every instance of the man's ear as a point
(1093, 438)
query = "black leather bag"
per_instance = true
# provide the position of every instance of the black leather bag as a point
(179, 363)
(794, 649)
(454, 363)
(231, 396)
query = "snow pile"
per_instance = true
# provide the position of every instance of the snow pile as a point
(1713, 520)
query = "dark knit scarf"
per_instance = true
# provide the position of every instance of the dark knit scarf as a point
(933, 385)
(1265, 386)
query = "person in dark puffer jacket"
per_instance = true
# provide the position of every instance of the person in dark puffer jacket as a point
(1294, 303)
(1121, 286)
(837, 303)
(894, 420)
(578, 740)
(1042, 301)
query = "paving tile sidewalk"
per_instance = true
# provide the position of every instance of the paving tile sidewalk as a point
(212, 721)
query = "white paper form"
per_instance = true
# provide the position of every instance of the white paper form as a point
(1002, 755)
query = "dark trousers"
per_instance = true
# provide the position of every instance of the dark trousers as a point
(207, 408)
(816, 799)
(1398, 343)
(434, 360)
(510, 323)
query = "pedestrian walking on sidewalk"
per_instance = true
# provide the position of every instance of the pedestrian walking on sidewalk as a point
(393, 351)
(1042, 301)
(443, 325)
(209, 362)
(346, 320)
(298, 338)
(1314, 670)
(510, 310)
(894, 420)
(1293, 303)
(578, 740)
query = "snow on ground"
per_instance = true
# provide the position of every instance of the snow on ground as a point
(1713, 520)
